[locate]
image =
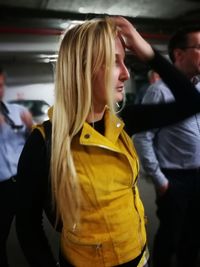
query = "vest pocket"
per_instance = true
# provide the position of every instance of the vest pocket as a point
(82, 252)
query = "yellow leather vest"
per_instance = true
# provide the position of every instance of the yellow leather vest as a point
(111, 230)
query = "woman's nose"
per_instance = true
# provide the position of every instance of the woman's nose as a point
(125, 75)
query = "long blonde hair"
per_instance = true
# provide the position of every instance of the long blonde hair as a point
(84, 50)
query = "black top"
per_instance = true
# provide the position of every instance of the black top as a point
(33, 182)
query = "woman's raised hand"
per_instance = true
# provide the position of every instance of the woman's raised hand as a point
(133, 40)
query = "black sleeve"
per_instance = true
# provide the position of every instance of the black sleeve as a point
(144, 117)
(32, 187)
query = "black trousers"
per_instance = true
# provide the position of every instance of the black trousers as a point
(178, 235)
(7, 212)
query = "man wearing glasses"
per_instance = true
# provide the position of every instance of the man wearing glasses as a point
(15, 124)
(171, 156)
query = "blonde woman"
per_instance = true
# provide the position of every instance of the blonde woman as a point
(94, 166)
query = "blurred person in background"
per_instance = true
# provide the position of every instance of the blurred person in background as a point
(171, 156)
(152, 77)
(15, 125)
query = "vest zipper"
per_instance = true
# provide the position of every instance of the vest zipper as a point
(139, 228)
(98, 247)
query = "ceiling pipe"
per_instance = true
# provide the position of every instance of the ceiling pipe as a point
(58, 32)
(32, 31)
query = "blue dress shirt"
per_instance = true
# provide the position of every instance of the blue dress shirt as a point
(12, 141)
(174, 147)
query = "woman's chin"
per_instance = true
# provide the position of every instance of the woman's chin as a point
(119, 97)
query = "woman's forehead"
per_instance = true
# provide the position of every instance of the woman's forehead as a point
(119, 46)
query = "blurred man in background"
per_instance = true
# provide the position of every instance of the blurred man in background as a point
(15, 124)
(152, 77)
(171, 156)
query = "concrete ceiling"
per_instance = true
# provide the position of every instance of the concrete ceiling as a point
(134, 8)
(30, 30)
(155, 19)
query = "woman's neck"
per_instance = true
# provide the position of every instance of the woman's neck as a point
(95, 115)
